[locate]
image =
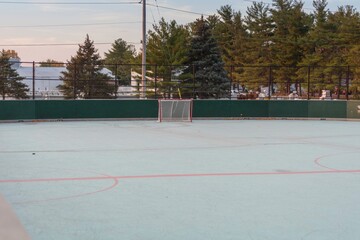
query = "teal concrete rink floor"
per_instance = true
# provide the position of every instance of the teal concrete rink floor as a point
(209, 179)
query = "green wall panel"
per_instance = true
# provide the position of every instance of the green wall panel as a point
(52, 109)
(17, 110)
(327, 109)
(291, 109)
(96, 109)
(230, 108)
(353, 109)
(80, 109)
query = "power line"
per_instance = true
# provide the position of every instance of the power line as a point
(55, 44)
(45, 44)
(157, 6)
(176, 9)
(69, 25)
(68, 3)
(102, 3)
(152, 14)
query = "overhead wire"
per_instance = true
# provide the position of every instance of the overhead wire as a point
(55, 44)
(84, 24)
(69, 3)
(177, 9)
(152, 14)
(69, 25)
(157, 7)
(102, 3)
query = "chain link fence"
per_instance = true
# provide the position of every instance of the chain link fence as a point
(124, 81)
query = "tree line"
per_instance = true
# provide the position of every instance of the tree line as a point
(280, 35)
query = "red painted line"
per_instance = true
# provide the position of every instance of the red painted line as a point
(116, 182)
(318, 160)
(238, 174)
(176, 176)
(55, 179)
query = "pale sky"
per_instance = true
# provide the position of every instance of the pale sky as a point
(29, 23)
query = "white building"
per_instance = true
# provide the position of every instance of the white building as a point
(44, 80)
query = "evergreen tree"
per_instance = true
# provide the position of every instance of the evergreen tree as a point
(10, 81)
(167, 43)
(354, 60)
(292, 26)
(320, 36)
(119, 60)
(224, 32)
(83, 78)
(351, 31)
(318, 47)
(332, 44)
(204, 61)
(167, 48)
(347, 22)
(231, 36)
(258, 53)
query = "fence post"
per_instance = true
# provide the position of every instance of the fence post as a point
(270, 82)
(3, 83)
(116, 80)
(33, 80)
(231, 79)
(74, 80)
(155, 90)
(171, 89)
(194, 93)
(347, 82)
(339, 84)
(308, 80)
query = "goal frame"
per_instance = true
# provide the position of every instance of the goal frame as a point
(160, 109)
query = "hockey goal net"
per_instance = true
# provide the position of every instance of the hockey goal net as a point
(175, 110)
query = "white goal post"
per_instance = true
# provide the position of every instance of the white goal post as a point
(175, 110)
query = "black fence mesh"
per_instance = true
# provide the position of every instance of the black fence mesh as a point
(122, 81)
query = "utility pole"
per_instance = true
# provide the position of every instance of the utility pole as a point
(143, 62)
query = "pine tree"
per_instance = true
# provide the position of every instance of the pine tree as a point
(119, 60)
(10, 81)
(83, 78)
(224, 32)
(347, 37)
(167, 47)
(353, 60)
(292, 26)
(204, 59)
(258, 53)
(167, 43)
(332, 44)
(231, 36)
(318, 47)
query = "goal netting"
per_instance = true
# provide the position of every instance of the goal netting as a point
(175, 110)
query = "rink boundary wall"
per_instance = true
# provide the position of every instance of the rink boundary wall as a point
(202, 109)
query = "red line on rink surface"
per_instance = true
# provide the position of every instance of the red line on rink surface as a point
(175, 176)
(116, 182)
